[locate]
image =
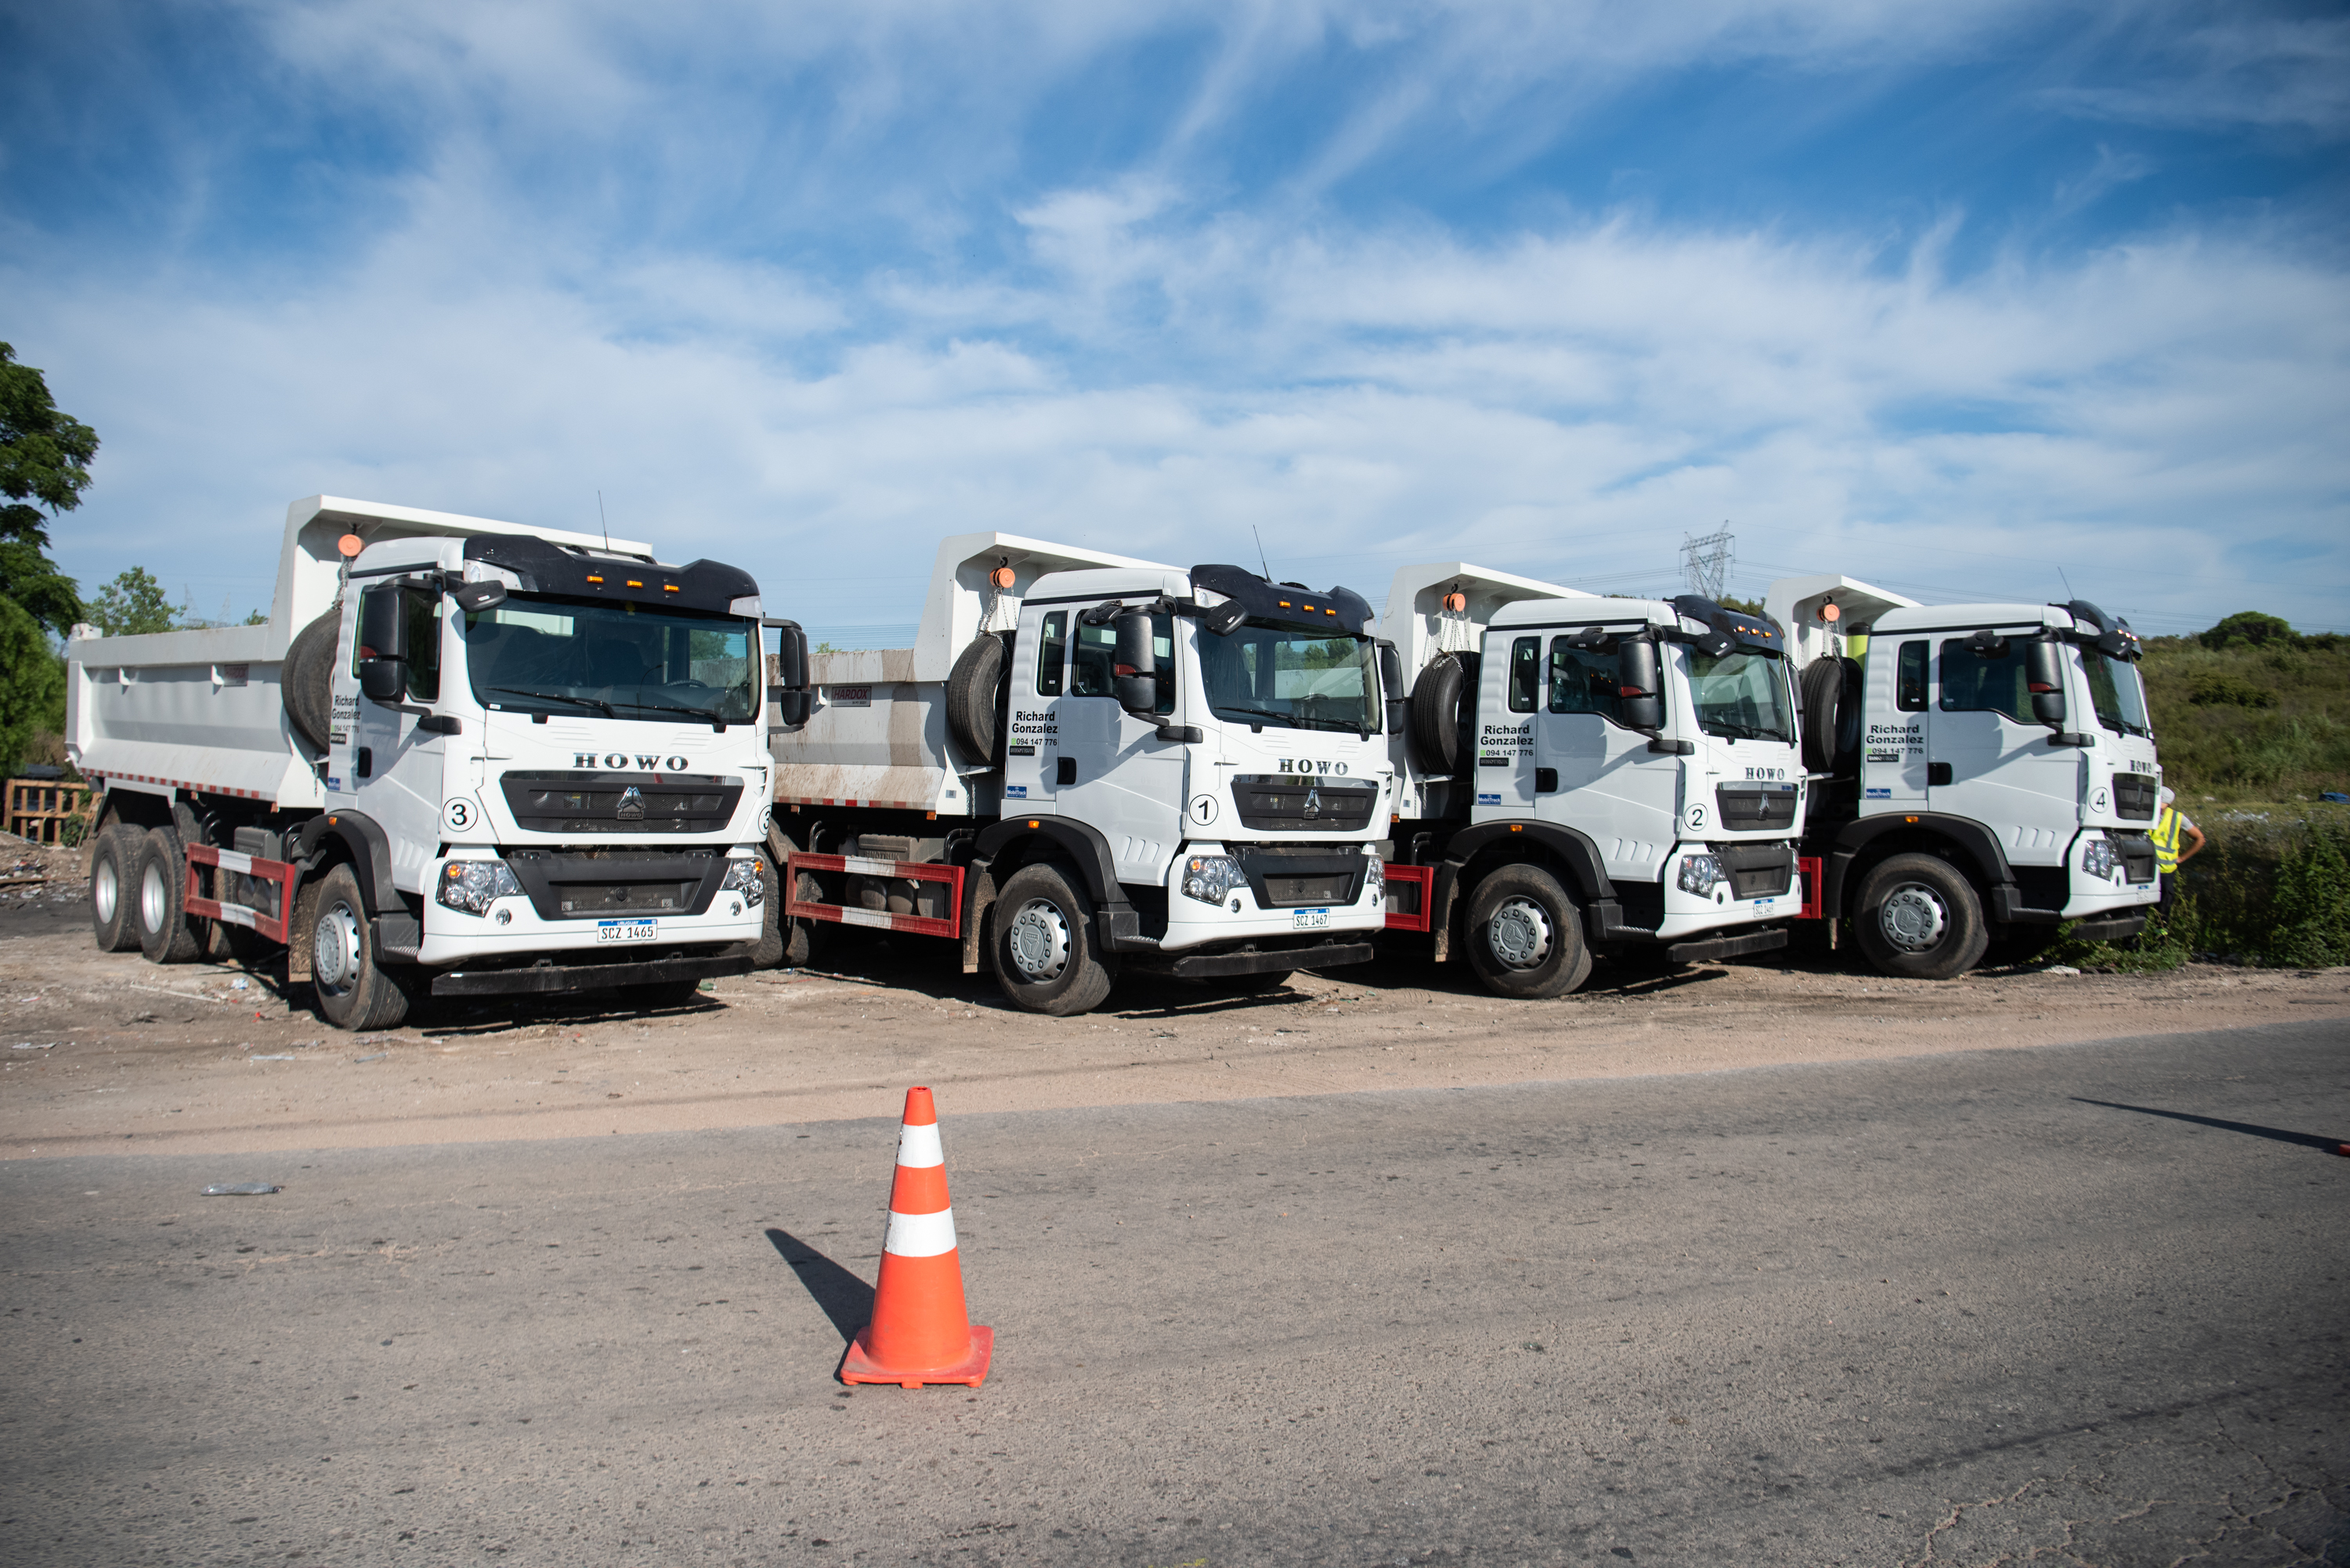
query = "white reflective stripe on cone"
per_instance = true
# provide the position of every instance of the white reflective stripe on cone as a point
(918, 1145)
(921, 1235)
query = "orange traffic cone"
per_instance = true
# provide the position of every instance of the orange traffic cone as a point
(921, 1332)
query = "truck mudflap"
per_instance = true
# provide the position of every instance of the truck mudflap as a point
(1726, 946)
(1260, 961)
(543, 977)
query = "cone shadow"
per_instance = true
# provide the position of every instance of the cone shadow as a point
(2307, 1140)
(846, 1300)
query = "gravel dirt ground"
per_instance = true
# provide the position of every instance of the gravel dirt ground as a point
(105, 1052)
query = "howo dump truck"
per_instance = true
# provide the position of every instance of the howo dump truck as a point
(1088, 763)
(1978, 774)
(1579, 775)
(463, 758)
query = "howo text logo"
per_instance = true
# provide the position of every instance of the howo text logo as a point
(617, 761)
(1309, 766)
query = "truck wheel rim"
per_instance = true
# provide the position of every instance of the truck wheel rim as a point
(1519, 933)
(1914, 918)
(335, 949)
(1039, 941)
(106, 890)
(154, 899)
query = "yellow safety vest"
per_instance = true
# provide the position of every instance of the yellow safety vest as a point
(2166, 840)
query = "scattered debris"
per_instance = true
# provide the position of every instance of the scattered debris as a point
(240, 1189)
(2059, 969)
(28, 1045)
(239, 983)
(273, 1058)
(377, 1057)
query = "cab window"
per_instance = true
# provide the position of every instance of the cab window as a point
(1525, 673)
(1583, 681)
(1093, 662)
(1975, 684)
(1909, 679)
(1052, 653)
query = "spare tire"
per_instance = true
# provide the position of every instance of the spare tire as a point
(977, 690)
(1436, 712)
(307, 679)
(1832, 709)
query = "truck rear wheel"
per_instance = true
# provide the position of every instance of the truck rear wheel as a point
(1919, 918)
(166, 934)
(354, 991)
(1525, 935)
(1044, 956)
(113, 883)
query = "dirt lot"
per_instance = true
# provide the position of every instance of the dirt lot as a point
(107, 1051)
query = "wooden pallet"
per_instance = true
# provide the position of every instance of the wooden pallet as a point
(38, 809)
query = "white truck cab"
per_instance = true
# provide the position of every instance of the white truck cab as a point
(1583, 773)
(466, 758)
(1104, 763)
(1978, 773)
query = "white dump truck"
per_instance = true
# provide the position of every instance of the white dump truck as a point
(1088, 762)
(463, 758)
(1579, 775)
(1978, 773)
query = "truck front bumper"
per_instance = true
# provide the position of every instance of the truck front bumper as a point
(548, 976)
(1238, 919)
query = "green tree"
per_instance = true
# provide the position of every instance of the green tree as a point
(132, 604)
(44, 457)
(2249, 626)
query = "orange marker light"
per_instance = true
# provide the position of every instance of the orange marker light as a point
(594, 579)
(1829, 611)
(351, 545)
(670, 589)
(634, 584)
(1002, 577)
(1456, 603)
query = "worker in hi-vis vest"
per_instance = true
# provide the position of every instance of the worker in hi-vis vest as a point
(2171, 824)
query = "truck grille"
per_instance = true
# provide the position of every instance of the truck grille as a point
(2137, 856)
(621, 803)
(615, 882)
(1297, 803)
(1755, 808)
(1757, 870)
(2134, 796)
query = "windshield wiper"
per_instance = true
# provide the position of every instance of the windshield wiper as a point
(1295, 721)
(1731, 729)
(560, 697)
(710, 716)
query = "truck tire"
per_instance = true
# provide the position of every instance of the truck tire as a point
(976, 693)
(1831, 699)
(1044, 938)
(768, 950)
(1435, 698)
(113, 888)
(1525, 935)
(166, 934)
(353, 991)
(1919, 918)
(307, 679)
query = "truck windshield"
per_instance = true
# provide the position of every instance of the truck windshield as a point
(621, 660)
(2115, 689)
(1305, 680)
(1741, 696)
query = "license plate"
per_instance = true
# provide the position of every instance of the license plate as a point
(627, 930)
(1309, 920)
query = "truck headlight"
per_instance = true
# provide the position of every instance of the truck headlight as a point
(472, 886)
(2099, 858)
(1699, 873)
(1210, 878)
(1374, 883)
(742, 877)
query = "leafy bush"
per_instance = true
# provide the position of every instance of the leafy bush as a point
(2244, 710)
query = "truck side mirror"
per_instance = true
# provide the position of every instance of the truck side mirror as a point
(1134, 675)
(1640, 684)
(1390, 672)
(384, 645)
(2044, 672)
(791, 654)
(788, 706)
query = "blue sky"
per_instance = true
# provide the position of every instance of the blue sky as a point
(1967, 300)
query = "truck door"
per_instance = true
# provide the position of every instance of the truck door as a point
(1592, 773)
(1039, 680)
(1990, 761)
(1897, 684)
(396, 768)
(1113, 772)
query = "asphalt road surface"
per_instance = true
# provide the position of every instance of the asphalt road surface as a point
(2076, 1304)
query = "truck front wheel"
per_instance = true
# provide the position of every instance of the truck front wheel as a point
(354, 991)
(1044, 955)
(1917, 918)
(1525, 935)
(166, 934)
(114, 884)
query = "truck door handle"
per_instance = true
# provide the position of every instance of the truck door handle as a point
(1545, 780)
(1066, 771)
(1937, 773)
(367, 761)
